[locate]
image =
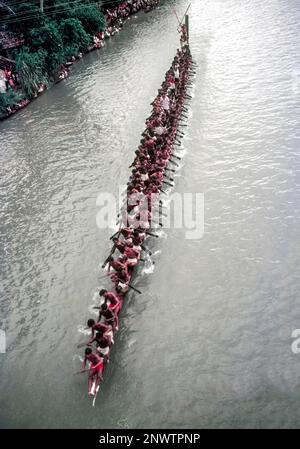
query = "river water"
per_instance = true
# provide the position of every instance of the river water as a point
(208, 343)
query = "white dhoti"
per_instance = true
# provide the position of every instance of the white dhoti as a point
(103, 351)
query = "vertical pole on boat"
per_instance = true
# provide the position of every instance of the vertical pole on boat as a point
(187, 26)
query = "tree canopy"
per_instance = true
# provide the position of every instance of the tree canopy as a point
(73, 33)
(49, 39)
(64, 29)
(91, 18)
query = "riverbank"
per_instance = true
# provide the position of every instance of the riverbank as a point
(15, 99)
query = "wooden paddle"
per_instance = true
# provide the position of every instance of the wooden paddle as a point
(81, 372)
(151, 234)
(168, 183)
(135, 289)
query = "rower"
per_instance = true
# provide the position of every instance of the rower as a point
(109, 296)
(137, 239)
(102, 344)
(127, 232)
(108, 316)
(119, 244)
(160, 130)
(105, 328)
(165, 102)
(132, 256)
(121, 279)
(117, 265)
(150, 142)
(95, 371)
(171, 81)
(144, 174)
(114, 303)
(176, 72)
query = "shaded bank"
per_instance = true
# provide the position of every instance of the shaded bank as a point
(44, 43)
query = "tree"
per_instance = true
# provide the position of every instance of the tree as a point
(27, 16)
(31, 70)
(70, 51)
(48, 38)
(91, 18)
(60, 9)
(73, 34)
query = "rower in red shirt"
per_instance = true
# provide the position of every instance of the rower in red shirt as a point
(105, 328)
(102, 344)
(117, 265)
(126, 232)
(119, 244)
(95, 370)
(108, 315)
(138, 237)
(150, 143)
(115, 303)
(110, 296)
(121, 279)
(132, 256)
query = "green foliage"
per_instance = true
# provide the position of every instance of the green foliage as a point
(29, 16)
(91, 18)
(48, 38)
(31, 69)
(70, 50)
(60, 9)
(73, 34)
(64, 29)
(9, 99)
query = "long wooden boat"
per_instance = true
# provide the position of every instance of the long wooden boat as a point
(171, 102)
